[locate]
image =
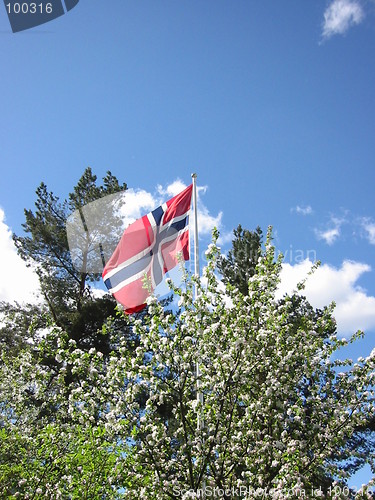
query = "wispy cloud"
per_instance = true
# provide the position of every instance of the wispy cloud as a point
(369, 228)
(332, 232)
(225, 238)
(355, 309)
(329, 236)
(206, 221)
(341, 15)
(307, 210)
(355, 227)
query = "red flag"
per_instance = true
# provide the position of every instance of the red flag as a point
(149, 247)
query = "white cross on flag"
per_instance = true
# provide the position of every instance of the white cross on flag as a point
(149, 247)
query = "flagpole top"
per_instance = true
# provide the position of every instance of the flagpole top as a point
(194, 175)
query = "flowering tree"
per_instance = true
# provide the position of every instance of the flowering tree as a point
(53, 444)
(275, 408)
(276, 414)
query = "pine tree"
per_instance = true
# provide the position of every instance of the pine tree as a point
(70, 304)
(242, 259)
(66, 289)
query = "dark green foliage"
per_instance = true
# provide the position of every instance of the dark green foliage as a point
(65, 288)
(240, 263)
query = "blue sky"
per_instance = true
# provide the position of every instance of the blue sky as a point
(271, 103)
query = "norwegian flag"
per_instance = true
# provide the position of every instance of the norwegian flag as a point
(149, 247)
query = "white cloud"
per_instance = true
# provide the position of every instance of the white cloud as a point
(206, 221)
(18, 282)
(172, 189)
(98, 293)
(356, 226)
(340, 15)
(138, 202)
(369, 227)
(303, 210)
(329, 236)
(354, 308)
(225, 238)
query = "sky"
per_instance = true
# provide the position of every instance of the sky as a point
(272, 104)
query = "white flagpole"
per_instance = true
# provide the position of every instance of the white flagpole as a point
(200, 422)
(197, 273)
(196, 244)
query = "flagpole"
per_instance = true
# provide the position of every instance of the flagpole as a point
(196, 244)
(200, 422)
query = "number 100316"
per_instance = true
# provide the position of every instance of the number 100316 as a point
(29, 8)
